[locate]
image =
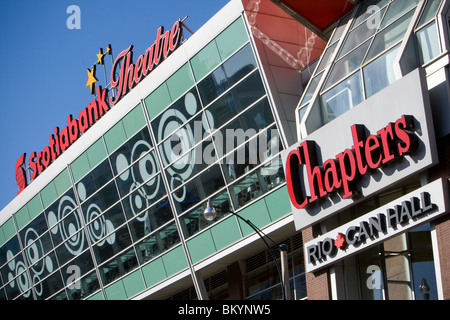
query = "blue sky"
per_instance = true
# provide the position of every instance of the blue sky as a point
(43, 63)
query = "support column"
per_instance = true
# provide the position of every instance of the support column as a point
(317, 283)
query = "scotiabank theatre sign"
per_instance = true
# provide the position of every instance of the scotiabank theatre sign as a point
(378, 143)
(124, 76)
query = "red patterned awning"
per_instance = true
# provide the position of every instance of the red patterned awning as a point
(317, 15)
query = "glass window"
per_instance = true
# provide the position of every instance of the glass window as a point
(226, 75)
(251, 154)
(429, 12)
(272, 173)
(176, 115)
(357, 36)
(313, 83)
(34, 229)
(83, 287)
(247, 125)
(130, 151)
(342, 97)
(72, 247)
(213, 85)
(157, 243)
(49, 286)
(194, 221)
(150, 219)
(100, 201)
(112, 244)
(380, 73)
(236, 100)
(198, 189)
(115, 137)
(428, 41)
(96, 179)
(246, 190)
(326, 58)
(96, 153)
(18, 280)
(190, 164)
(371, 8)
(100, 225)
(240, 64)
(144, 196)
(9, 250)
(36, 249)
(422, 263)
(83, 261)
(118, 266)
(390, 36)
(347, 64)
(397, 9)
(248, 91)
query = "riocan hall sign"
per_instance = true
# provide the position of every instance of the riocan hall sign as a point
(378, 143)
(377, 226)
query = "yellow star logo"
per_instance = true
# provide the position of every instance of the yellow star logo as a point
(100, 57)
(109, 49)
(91, 79)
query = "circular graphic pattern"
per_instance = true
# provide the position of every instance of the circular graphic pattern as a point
(100, 227)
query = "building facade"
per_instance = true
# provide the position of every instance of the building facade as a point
(368, 179)
(330, 135)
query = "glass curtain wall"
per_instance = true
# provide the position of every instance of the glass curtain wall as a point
(111, 224)
(360, 57)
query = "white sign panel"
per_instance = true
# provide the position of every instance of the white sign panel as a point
(396, 217)
(382, 141)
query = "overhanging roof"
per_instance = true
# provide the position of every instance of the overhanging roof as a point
(317, 15)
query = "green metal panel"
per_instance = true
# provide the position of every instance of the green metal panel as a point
(231, 38)
(115, 137)
(201, 246)
(96, 153)
(133, 283)
(62, 183)
(180, 82)
(157, 101)
(9, 229)
(278, 203)
(174, 261)
(257, 213)
(116, 291)
(154, 272)
(133, 121)
(205, 60)
(225, 233)
(22, 217)
(79, 168)
(49, 194)
(97, 296)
